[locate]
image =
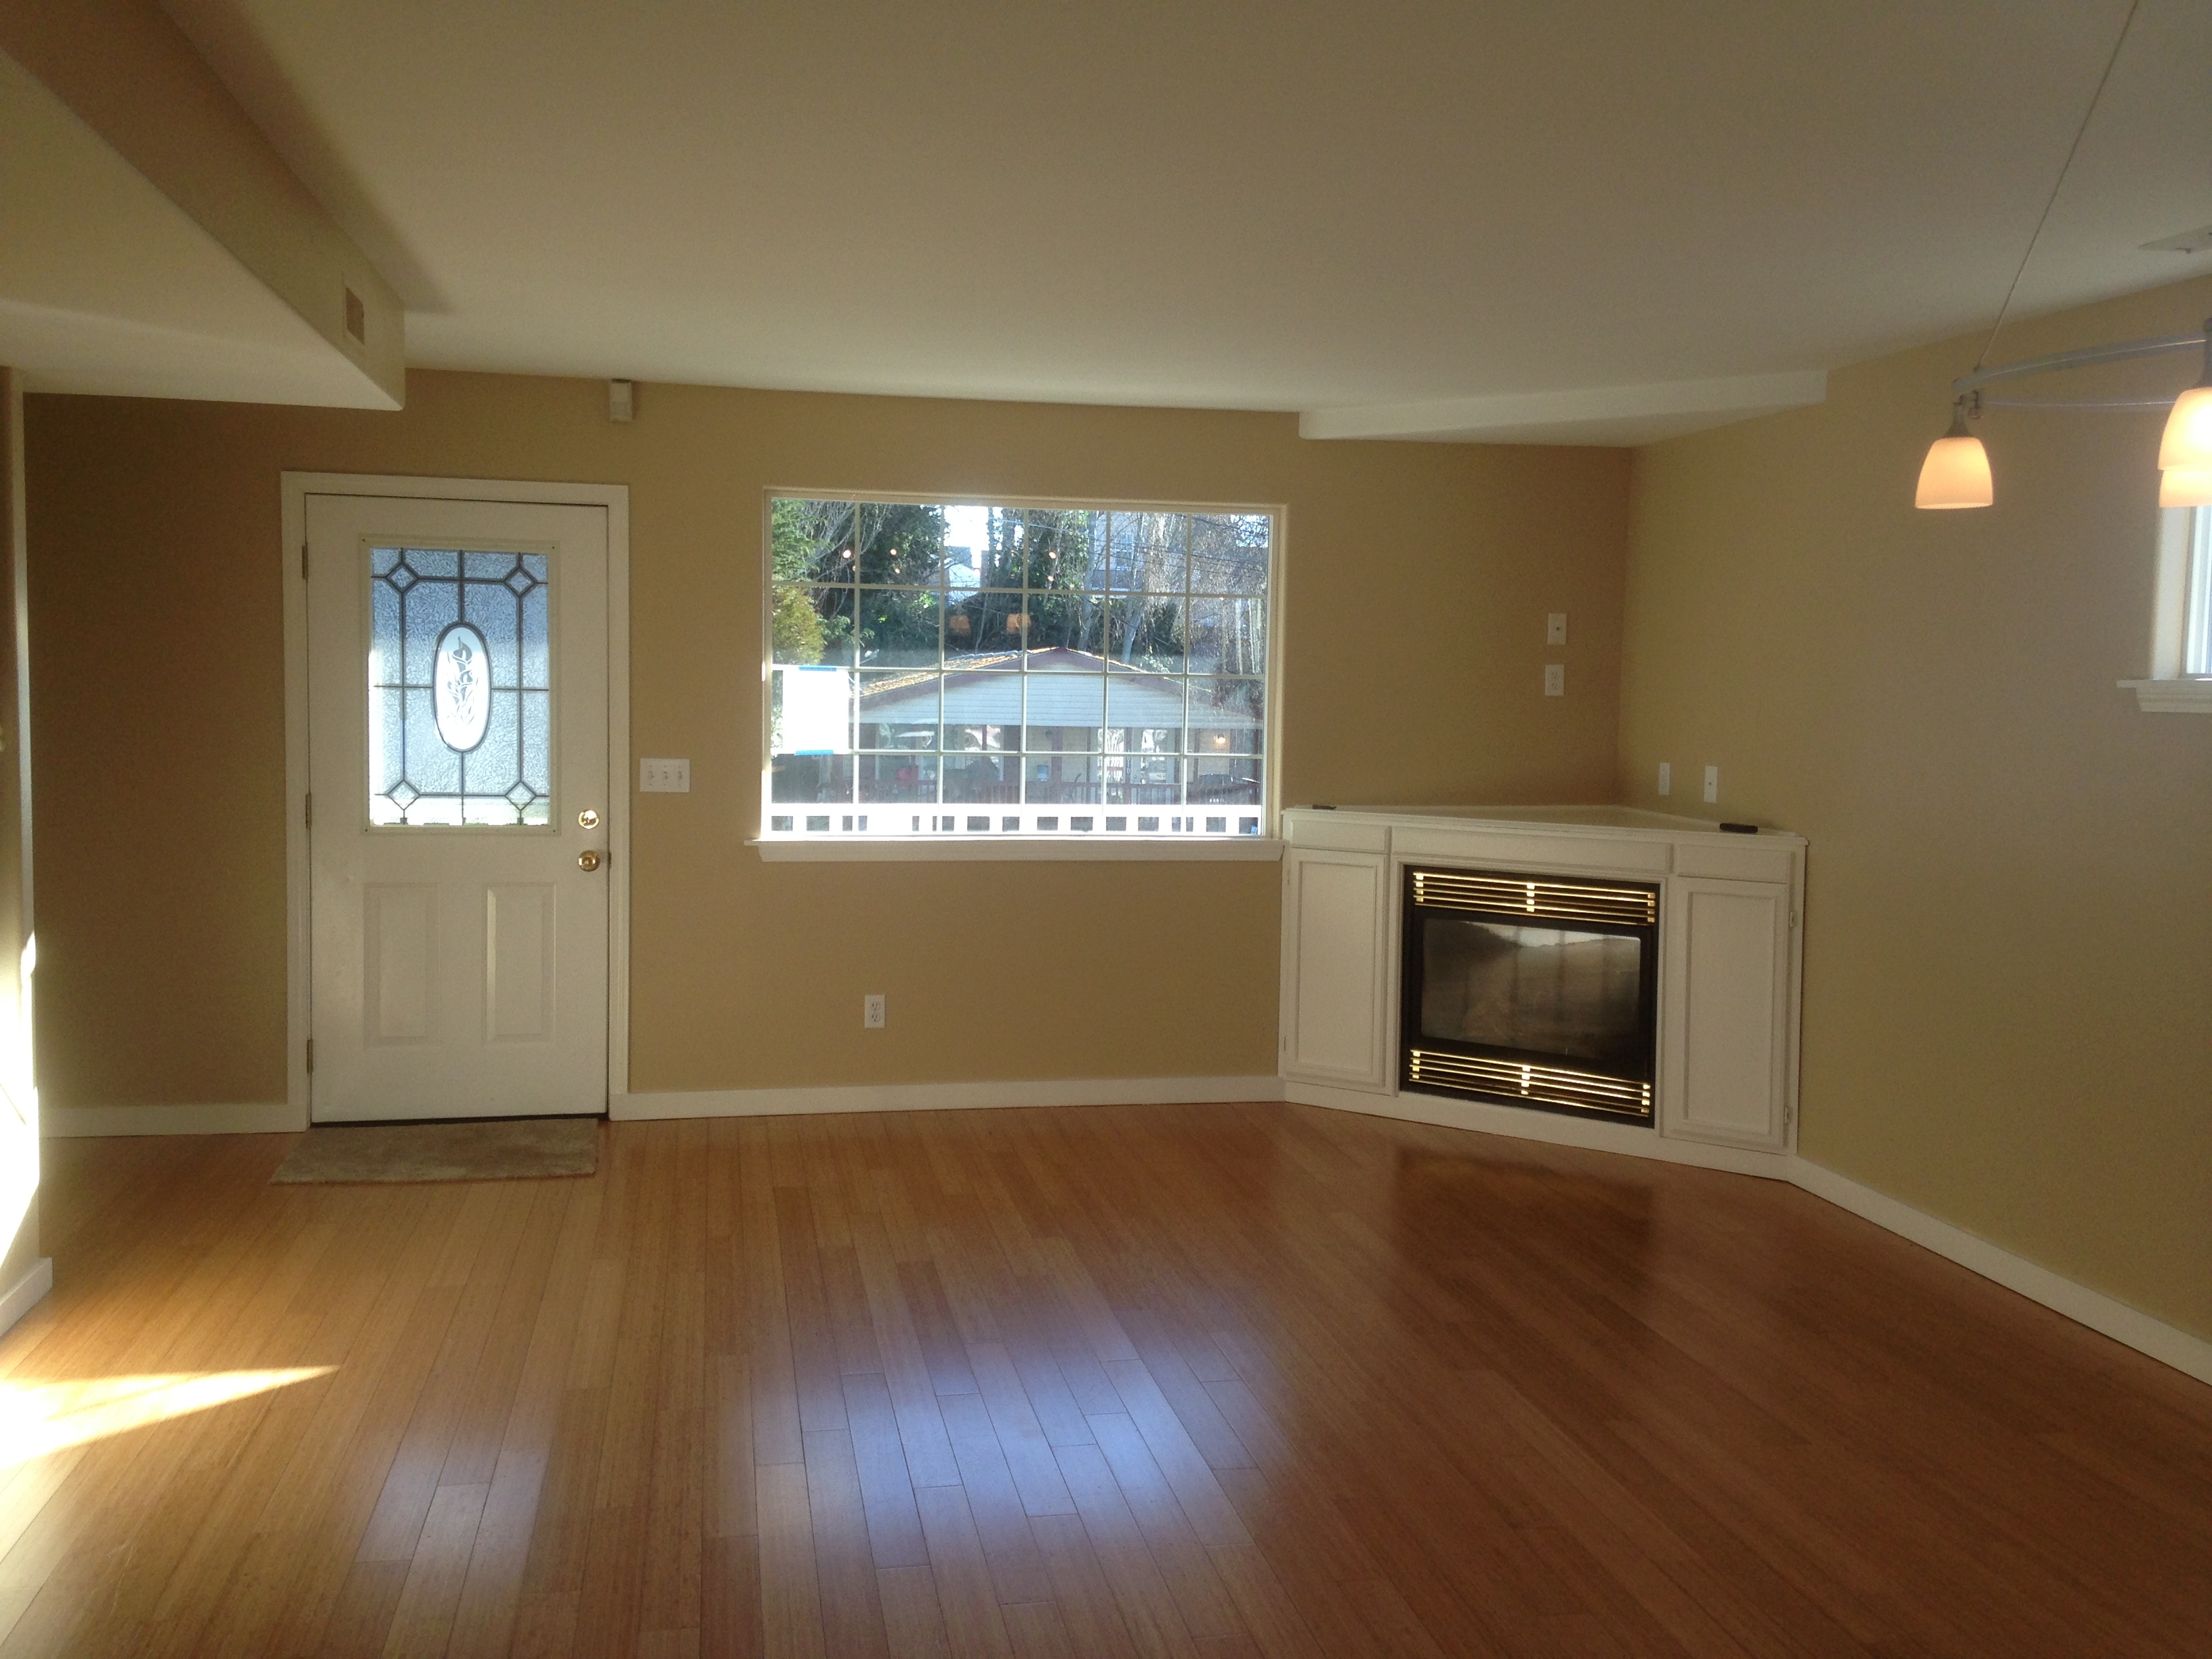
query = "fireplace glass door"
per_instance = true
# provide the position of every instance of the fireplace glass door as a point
(1533, 990)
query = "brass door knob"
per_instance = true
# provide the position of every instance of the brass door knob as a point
(588, 858)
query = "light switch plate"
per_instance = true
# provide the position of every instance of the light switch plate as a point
(1555, 679)
(1712, 783)
(665, 777)
(1666, 778)
(1555, 629)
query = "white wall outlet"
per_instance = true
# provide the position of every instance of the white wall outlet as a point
(1712, 783)
(1555, 679)
(1555, 629)
(872, 1012)
(663, 777)
(1666, 779)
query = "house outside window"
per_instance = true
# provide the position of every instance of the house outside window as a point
(972, 669)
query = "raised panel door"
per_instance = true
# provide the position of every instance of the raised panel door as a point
(1726, 1011)
(1336, 926)
(457, 719)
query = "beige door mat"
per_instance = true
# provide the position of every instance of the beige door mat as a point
(500, 1149)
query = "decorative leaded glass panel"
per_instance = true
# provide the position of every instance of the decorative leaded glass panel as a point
(460, 700)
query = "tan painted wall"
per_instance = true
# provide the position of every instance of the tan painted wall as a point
(19, 1114)
(2008, 964)
(1417, 581)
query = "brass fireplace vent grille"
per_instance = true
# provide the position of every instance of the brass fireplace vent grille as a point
(1555, 1085)
(1564, 901)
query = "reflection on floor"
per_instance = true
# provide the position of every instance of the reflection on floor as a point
(1182, 1380)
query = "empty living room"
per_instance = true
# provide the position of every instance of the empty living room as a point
(1203, 830)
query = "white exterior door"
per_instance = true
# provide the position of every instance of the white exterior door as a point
(457, 672)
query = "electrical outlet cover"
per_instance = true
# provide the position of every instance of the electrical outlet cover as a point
(1555, 679)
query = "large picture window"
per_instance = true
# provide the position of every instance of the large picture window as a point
(969, 669)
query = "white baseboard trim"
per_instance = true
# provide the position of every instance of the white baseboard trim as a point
(2191, 1355)
(26, 1292)
(1521, 1124)
(940, 1096)
(252, 1117)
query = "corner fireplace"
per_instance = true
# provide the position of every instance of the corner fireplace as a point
(1532, 990)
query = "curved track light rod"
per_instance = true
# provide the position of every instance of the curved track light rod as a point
(2124, 405)
(2080, 358)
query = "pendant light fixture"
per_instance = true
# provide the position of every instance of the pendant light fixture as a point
(2185, 486)
(2188, 440)
(1956, 470)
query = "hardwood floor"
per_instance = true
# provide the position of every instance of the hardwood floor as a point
(1218, 1380)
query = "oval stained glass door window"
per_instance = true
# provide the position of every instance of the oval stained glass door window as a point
(460, 693)
(461, 687)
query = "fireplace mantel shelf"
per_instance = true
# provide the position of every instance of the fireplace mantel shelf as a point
(1604, 820)
(1730, 910)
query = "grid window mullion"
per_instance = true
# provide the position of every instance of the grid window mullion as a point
(1183, 756)
(1099, 599)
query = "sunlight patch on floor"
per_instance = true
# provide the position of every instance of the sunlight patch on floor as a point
(38, 1418)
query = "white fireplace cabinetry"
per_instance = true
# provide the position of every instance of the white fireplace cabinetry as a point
(1725, 1012)
(1336, 906)
(1726, 1077)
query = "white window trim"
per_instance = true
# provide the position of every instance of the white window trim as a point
(2181, 609)
(1004, 849)
(1266, 846)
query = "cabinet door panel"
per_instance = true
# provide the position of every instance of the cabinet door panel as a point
(1727, 945)
(1333, 933)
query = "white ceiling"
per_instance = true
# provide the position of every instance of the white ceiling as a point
(1323, 207)
(106, 286)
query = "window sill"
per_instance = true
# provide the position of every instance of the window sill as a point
(2190, 696)
(925, 849)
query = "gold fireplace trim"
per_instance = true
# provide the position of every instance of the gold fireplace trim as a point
(1561, 901)
(1556, 1085)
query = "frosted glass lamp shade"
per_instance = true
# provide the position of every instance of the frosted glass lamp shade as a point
(2187, 442)
(2185, 486)
(1956, 472)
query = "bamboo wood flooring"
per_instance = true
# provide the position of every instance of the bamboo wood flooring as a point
(1206, 1380)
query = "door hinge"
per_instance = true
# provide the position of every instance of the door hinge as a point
(311, 811)
(310, 1056)
(303, 562)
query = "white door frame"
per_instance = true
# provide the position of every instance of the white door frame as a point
(615, 498)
